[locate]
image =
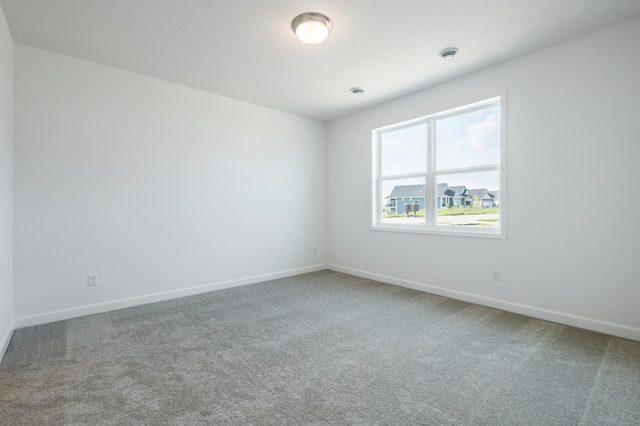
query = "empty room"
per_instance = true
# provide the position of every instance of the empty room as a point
(415, 212)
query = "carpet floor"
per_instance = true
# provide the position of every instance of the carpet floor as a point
(317, 349)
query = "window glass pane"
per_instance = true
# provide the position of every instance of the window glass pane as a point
(458, 152)
(469, 200)
(404, 150)
(403, 201)
(468, 140)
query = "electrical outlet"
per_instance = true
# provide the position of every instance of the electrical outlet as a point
(315, 251)
(92, 280)
(495, 274)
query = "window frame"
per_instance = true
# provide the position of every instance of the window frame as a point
(430, 176)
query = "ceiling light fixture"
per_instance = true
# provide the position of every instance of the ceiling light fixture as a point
(358, 91)
(449, 54)
(311, 27)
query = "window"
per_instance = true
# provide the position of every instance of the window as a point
(444, 173)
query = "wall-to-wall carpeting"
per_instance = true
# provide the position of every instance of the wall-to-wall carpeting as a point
(320, 348)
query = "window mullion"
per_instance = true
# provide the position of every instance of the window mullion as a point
(430, 179)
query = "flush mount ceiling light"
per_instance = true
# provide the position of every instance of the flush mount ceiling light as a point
(358, 91)
(311, 27)
(449, 54)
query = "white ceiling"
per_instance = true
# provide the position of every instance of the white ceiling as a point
(245, 49)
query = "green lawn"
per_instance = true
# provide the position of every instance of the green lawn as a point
(456, 211)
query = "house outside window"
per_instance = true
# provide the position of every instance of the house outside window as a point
(442, 173)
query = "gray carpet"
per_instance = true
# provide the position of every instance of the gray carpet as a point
(320, 348)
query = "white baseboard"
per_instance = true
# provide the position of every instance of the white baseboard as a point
(99, 308)
(4, 343)
(540, 313)
(545, 314)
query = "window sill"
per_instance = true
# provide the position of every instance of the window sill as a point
(442, 231)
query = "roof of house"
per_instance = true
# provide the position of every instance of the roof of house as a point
(407, 191)
(480, 193)
(417, 191)
(459, 190)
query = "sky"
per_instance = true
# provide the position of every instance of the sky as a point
(466, 140)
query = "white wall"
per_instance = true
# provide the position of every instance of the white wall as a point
(156, 188)
(6, 185)
(573, 248)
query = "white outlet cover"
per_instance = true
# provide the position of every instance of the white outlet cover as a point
(92, 280)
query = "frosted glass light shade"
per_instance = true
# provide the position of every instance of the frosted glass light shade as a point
(311, 28)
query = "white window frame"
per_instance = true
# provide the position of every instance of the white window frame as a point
(431, 175)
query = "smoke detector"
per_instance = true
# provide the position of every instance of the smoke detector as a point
(449, 54)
